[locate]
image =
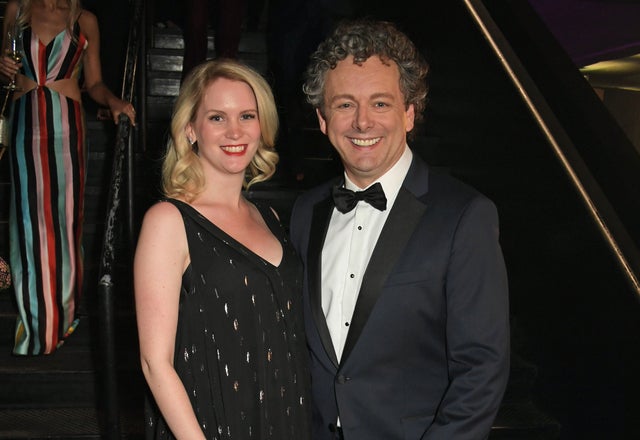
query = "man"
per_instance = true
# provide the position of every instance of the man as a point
(406, 303)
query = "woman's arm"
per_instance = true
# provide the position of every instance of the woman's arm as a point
(160, 260)
(96, 88)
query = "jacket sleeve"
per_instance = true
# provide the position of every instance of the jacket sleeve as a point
(477, 327)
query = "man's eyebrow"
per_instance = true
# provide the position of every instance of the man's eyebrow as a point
(371, 98)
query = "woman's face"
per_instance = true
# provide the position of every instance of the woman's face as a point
(226, 126)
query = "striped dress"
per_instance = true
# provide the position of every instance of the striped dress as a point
(47, 163)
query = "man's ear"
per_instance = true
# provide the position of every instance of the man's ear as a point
(410, 117)
(321, 121)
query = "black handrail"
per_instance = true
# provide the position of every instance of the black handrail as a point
(122, 163)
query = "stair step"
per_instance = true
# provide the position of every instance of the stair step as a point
(159, 109)
(172, 39)
(251, 42)
(165, 60)
(67, 423)
(71, 376)
(166, 82)
(64, 378)
(523, 421)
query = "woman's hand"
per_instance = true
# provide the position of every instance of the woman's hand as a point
(118, 106)
(9, 68)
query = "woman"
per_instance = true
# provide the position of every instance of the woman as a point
(47, 162)
(217, 284)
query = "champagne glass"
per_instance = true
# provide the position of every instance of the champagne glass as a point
(14, 51)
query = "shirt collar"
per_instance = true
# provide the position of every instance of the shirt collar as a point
(391, 181)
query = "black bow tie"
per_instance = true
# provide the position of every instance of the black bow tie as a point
(346, 200)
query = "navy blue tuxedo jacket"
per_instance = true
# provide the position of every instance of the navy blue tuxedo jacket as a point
(427, 354)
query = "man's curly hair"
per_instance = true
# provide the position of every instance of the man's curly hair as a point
(363, 39)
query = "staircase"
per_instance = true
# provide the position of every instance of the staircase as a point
(59, 396)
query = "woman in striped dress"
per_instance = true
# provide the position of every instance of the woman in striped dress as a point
(47, 163)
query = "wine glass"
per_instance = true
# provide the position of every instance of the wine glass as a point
(14, 51)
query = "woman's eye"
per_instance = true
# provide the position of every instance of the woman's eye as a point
(216, 118)
(249, 116)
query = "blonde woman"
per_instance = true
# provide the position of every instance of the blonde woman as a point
(217, 284)
(47, 162)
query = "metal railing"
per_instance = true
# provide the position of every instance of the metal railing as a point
(120, 192)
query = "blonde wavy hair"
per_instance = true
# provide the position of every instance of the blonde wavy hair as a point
(75, 7)
(182, 174)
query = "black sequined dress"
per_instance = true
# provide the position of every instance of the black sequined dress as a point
(240, 348)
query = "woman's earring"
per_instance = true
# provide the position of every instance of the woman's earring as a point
(194, 145)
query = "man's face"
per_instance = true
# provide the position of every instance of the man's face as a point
(365, 117)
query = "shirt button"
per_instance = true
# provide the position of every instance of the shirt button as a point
(346, 324)
(359, 228)
(352, 276)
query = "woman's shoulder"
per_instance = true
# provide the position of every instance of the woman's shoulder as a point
(88, 21)
(11, 6)
(11, 10)
(163, 212)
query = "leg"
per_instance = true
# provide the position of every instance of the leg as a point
(229, 19)
(195, 34)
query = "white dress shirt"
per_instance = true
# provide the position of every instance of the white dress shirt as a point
(351, 238)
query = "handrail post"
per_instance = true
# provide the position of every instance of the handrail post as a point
(107, 335)
(106, 300)
(124, 156)
(130, 197)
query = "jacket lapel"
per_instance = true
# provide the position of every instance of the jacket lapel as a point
(405, 215)
(319, 224)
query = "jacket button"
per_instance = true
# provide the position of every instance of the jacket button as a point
(342, 379)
